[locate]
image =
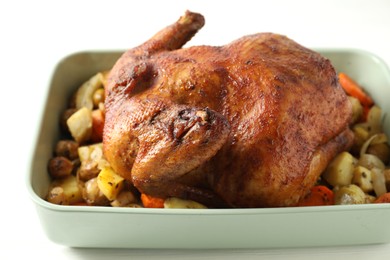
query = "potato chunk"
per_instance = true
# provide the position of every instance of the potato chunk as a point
(176, 203)
(363, 178)
(357, 109)
(65, 191)
(110, 183)
(125, 199)
(350, 194)
(340, 170)
(80, 125)
(91, 157)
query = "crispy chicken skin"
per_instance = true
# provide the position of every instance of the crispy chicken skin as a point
(249, 124)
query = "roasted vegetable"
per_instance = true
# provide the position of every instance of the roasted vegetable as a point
(67, 148)
(65, 191)
(353, 89)
(318, 196)
(357, 109)
(93, 195)
(109, 183)
(125, 199)
(379, 138)
(362, 177)
(90, 152)
(381, 150)
(360, 137)
(374, 120)
(384, 198)
(176, 203)
(90, 158)
(80, 125)
(64, 118)
(151, 202)
(84, 95)
(370, 162)
(98, 97)
(97, 125)
(350, 194)
(339, 171)
(60, 167)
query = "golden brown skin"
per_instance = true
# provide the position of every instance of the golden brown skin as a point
(253, 123)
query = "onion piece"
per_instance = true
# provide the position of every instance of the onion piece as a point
(85, 92)
(375, 139)
(370, 162)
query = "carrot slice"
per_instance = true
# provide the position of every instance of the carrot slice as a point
(319, 195)
(151, 202)
(384, 198)
(353, 89)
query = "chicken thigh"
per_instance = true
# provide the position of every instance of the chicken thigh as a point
(249, 124)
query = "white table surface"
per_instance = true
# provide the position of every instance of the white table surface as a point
(35, 35)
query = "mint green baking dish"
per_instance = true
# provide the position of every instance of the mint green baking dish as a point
(103, 227)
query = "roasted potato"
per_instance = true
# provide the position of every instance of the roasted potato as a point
(65, 191)
(80, 125)
(176, 203)
(362, 177)
(350, 194)
(340, 170)
(125, 199)
(357, 109)
(110, 183)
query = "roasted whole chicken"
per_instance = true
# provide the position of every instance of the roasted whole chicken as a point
(250, 124)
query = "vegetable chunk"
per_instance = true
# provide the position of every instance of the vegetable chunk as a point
(340, 170)
(65, 191)
(350, 194)
(319, 196)
(176, 203)
(152, 202)
(109, 183)
(80, 125)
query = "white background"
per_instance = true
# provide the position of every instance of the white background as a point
(35, 35)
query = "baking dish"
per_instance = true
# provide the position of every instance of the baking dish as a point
(104, 227)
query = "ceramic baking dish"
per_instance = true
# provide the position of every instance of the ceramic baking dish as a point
(79, 226)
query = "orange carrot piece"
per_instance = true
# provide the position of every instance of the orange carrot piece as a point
(151, 202)
(384, 198)
(353, 89)
(319, 195)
